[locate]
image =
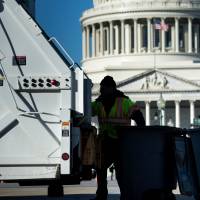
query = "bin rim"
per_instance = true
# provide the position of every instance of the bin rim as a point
(165, 129)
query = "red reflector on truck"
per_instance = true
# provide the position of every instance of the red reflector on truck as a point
(65, 156)
(55, 83)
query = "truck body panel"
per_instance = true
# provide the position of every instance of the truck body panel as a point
(40, 85)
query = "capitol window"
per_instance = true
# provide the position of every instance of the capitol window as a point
(157, 38)
(168, 38)
(144, 36)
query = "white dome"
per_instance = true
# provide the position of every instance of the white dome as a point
(103, 2)
(167, 1)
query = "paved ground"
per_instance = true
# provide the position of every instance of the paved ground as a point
(85, 191)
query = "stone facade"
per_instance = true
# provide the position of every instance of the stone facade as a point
(149, 47)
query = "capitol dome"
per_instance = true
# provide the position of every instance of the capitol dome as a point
(98, 2)
(148, 3)
(140, 41)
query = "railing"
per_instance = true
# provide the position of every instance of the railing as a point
(141, 5)
(64, 52)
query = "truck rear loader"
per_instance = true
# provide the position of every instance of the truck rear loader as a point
(43, 91)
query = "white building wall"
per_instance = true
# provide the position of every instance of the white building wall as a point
(123, 61)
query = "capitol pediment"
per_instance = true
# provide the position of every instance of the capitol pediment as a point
(155, 80)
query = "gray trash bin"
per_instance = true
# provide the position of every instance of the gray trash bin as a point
(146, 160)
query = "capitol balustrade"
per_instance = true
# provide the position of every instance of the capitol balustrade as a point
(148, 4)
(139, 36)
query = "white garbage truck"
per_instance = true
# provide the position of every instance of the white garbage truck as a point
(42, 91)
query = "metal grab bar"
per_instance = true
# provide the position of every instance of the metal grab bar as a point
(65, 52)
(41, 113)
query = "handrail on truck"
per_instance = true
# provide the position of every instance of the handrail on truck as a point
(64, 51)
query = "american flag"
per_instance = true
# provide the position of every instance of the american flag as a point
(160, 26)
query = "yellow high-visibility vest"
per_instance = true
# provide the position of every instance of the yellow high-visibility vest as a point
(119, 115)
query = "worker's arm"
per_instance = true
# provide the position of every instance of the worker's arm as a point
(82, 121)
(137, 116)
(135, 113)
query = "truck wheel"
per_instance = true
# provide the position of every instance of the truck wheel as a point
(55, 190)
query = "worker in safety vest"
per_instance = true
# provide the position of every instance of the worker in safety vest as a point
(113, 109)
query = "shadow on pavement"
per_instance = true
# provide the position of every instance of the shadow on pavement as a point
(66, 197)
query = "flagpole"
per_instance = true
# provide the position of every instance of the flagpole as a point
(159, 25)
(154, 60)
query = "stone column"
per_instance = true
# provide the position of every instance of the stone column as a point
(127, 39)
(93, 41)
(101, 39)
(192, 112)
(111, 37)
(176, 35)
(98, 53)
(116, 39)
(122, 37)
(139, 36)
(149, 34)
(196, 38)
(147, 110)
(152, 38)
(162, 36)
(88, 42)
(84, 43)
(177, 111)
(135, 36)
(189, 35)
